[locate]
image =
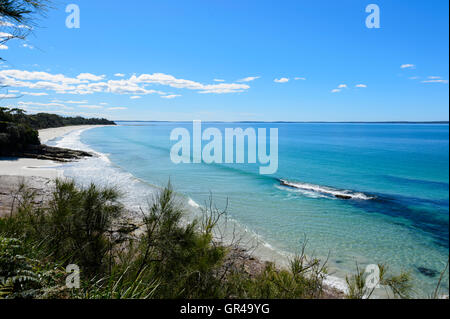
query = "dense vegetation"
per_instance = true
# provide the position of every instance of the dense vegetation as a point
(46, 120)
(19, 130)
(159, 256)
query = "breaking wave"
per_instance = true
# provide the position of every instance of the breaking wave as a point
(325, 191)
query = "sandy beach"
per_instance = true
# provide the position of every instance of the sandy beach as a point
(49, 134)
(36, 167)
(36, 173)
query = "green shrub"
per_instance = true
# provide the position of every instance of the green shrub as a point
(399, 286)
(16, 137)
(181, 255)
(304, 280)
(24, 276)
(74, 228)
(17, 278)
(121, 284)
(78, 223)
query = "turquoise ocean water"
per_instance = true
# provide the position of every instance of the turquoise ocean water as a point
(398, 175)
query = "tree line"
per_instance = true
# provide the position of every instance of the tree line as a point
(18, 130)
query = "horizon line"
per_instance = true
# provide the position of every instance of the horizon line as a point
(306, 122)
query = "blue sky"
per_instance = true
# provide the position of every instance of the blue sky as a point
(161, 60)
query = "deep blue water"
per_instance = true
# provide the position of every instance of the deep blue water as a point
(398, 172)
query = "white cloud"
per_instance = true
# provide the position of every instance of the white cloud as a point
(300, 78)
(335, 91)
(135, 97)
(171, 96)
(435, 81)
(360, 85)
(103, 103)
(407, 66)
(218, 80)
(87, 83)
(3, 47)
(342, 86)
(90, 77)
(25, 45)
(6, 35)
(248, 79)
(4, 23)
(41, 104)
(91, 106)
(34, 94)
(434, 77)
(71, 101)
(77, 102)
(167, 80)
(15, 75)
(224, 88)
(7, 96)
(281, 80)
(119, 75)
(116, 108)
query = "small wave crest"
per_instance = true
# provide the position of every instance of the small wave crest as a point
(72, 140)
(321, 191)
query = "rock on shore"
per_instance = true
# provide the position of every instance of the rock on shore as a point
(45, 152)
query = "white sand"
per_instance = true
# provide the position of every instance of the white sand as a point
(48, 134)
(28, 167)
(37, 167)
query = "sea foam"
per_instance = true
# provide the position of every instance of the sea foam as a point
(312, 189)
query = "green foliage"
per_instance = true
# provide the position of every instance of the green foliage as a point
(182, 256)
(16, 137)
(20, 10)
(119, 285)
(18, 130)
(46, 120)
(75, 226)
(22, 276)
(79, 221)
(304, 280)
(399, 286)
(16, 270)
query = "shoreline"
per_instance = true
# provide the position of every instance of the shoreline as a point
(239, 255)
(31, 167)
(48, 134)
(38, 173)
